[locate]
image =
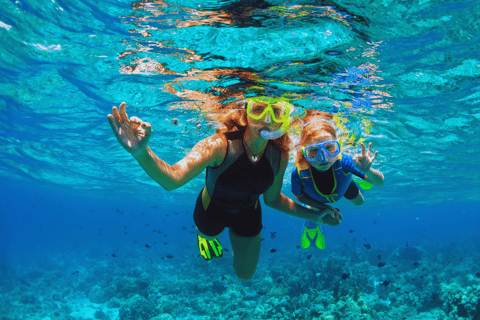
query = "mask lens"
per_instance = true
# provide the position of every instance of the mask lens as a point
(257, 108)
(331, 147)
(312, 152)
(279, 112)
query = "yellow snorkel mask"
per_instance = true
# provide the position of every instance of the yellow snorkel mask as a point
(275, 109)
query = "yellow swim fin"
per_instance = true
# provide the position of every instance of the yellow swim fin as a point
(209, 248)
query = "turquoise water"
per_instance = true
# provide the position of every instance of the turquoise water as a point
(403, 73)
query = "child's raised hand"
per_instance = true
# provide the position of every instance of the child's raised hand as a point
(364, 161)
(133, 134)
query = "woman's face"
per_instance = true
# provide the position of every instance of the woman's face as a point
(319, 165)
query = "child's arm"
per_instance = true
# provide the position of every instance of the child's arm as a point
(276, 200)
(305, 199)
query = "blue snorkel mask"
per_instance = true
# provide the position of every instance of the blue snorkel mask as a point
(322, 152)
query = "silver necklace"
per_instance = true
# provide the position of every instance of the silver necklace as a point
(254, 158)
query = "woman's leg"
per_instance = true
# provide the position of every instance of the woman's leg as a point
(208, 237)
(246, 252)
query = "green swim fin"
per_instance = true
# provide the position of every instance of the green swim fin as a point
(209, 248)
(312, 231)
(320, 241)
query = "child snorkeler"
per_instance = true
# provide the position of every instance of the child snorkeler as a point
(323, 174)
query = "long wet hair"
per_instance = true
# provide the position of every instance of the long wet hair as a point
(236, 120)
(312, 132)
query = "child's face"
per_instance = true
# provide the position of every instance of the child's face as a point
(319, 165)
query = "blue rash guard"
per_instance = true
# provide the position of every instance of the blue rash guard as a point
(342, 169)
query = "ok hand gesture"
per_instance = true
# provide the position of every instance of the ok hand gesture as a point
(364, 161)
(133, 134)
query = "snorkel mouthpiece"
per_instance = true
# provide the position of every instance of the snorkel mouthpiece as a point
(272, 135)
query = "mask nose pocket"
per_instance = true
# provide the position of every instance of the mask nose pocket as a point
(268, 118)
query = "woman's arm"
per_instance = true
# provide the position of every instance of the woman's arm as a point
(276, 200)
(133, 135)
(207, 152)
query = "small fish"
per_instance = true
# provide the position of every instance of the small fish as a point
(379, 256)
(184, 228)
(169, 256)
(224, 278)
(273, 250)
(262, 239)
(114, 255)
(165, 243)
(75, 272)
(354, 239)
(279, 280)
(367, 245)
(375, 222)
(406, 244)
(147, 225)
(226, 249)
(345, 276)
(352, 230)
(477, 274)
(158, 231)
(309, 257)
(298, 246)
(148, 246)
(382, 264)
(416, 264)
(395, 265)
(273, 234)
(261, 292)
(386, 283)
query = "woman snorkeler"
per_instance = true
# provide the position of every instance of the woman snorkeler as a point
(247, 157)
(323, 174)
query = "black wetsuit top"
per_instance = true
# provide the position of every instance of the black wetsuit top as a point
(241, 184)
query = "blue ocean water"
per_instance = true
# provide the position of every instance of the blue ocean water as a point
(77, 212)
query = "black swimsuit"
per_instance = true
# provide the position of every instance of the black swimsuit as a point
(231, 196)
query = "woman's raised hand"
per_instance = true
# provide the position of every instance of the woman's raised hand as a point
(133, 134)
